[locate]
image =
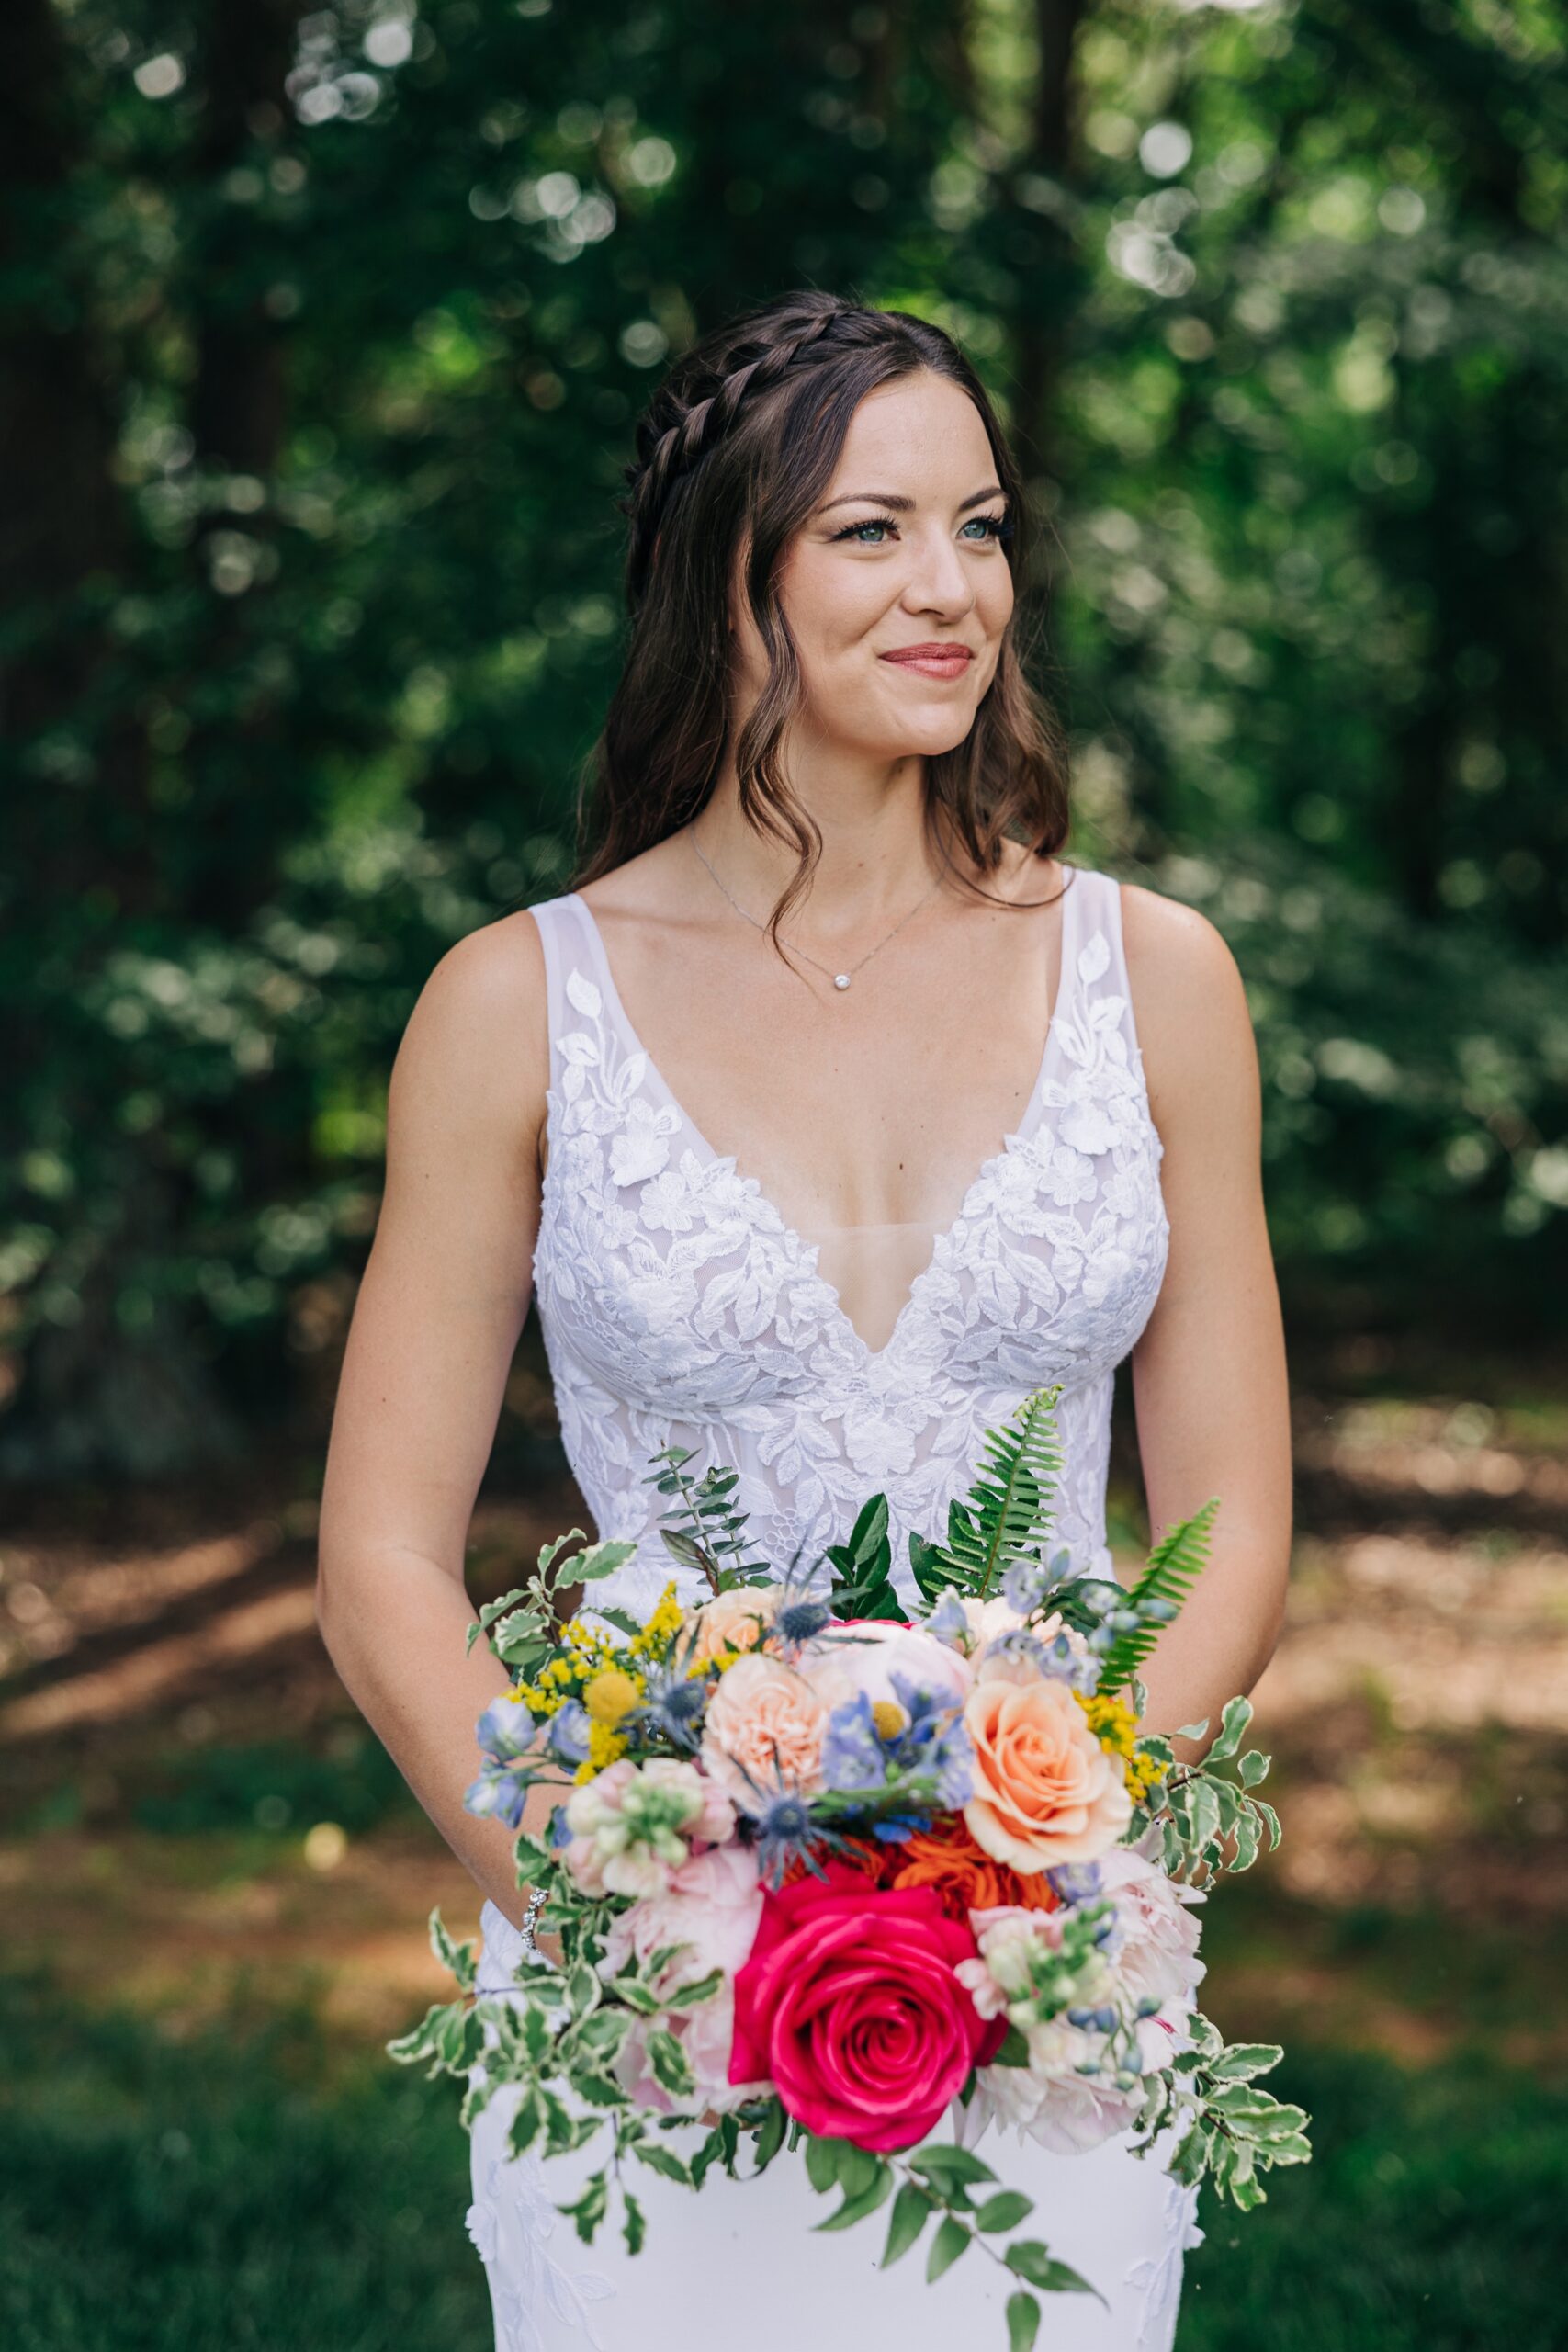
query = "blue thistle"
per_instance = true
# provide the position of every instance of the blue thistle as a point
(672, 1703)
(801, 1620)
(786, 1832)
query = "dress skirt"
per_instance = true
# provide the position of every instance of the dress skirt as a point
(741, 2261)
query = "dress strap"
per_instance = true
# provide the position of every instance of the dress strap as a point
(1103, 964)
(572, 977)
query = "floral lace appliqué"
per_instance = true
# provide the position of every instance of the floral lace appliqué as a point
(679, 1308)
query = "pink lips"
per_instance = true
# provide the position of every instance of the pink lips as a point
(936, 660)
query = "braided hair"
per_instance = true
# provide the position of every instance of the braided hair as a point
(732, 454)
(701, 399)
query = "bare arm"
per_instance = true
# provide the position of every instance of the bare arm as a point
(435, 1328)
(1208, 1375)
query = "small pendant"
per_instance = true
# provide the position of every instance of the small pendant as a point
(840, 980)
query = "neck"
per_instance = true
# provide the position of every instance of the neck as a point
(875, 860)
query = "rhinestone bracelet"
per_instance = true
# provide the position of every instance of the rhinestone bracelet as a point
(536, 1899)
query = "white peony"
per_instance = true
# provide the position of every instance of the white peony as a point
(1049, 2102)
(862, 1658)
(1156, 1952)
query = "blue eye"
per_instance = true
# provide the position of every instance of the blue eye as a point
(977, 532)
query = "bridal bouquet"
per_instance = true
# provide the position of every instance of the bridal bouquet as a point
(824, 1875)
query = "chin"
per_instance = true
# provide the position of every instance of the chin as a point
(941, 734)
(917, 736)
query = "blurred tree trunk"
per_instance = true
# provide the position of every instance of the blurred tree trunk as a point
(62, 523)
(114, 1381)
(237, 400)
(1054, 284)
(248, 790)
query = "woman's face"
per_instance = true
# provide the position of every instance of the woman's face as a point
(898, 588)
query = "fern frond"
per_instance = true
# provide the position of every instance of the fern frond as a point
(1175, 1566)
(1004, 1517)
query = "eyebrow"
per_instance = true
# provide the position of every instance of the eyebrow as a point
(903, 505)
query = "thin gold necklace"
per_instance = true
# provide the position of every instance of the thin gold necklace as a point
(840, 980)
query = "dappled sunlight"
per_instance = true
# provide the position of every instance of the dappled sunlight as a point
(1416, 1709)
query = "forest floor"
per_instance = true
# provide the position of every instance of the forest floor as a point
(199, 1840)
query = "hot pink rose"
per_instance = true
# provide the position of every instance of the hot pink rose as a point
(850, 2005)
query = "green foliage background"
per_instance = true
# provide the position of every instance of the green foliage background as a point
(322, 335)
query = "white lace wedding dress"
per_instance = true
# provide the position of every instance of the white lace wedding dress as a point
(678, 1306)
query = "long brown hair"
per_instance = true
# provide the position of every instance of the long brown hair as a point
(742, 437)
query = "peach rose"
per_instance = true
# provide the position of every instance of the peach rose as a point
(764, 1725)
(1045, 1791)
(736, 1620)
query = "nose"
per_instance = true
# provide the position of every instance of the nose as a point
(938, 582)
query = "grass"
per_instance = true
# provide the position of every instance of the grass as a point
(262, 2190)
(248, 2190)
(1428, 2220)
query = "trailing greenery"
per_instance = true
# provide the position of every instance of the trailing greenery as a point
(703, 1529)
(242, 2191)
(1210, 1822)
(520, 1625)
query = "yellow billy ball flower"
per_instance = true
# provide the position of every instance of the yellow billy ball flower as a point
(604, 1747)
(1112, 1721)
(611, 1696)
(888, 1717)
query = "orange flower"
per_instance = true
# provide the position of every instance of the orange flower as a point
(962, 1875)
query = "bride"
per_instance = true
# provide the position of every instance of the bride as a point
(827, 1115)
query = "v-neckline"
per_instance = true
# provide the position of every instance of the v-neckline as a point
(799, 1250)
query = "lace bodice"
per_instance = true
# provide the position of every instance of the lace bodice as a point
(679, 1308)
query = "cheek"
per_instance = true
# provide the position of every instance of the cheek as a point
(994, 600)
(994, 604)
(831, 607)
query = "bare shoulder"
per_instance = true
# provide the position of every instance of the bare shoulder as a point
(1189, 1003)
(1171, 945)
(474, 1061)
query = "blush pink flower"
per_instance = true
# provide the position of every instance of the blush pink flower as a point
(764, 1725)
(736, 1620)
(852, 2005)
(709, 1911)
(1045, 1791)
(633, 1825)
